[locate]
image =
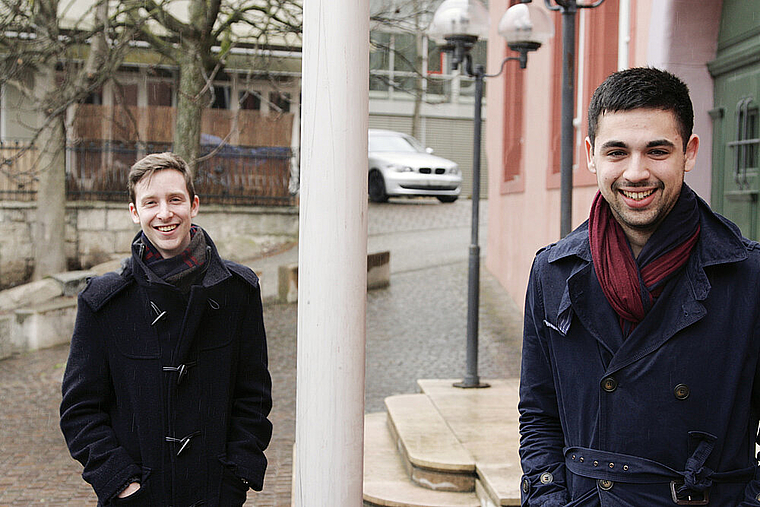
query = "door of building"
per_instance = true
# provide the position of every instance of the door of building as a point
(736, 127)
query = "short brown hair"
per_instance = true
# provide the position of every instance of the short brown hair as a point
(148, 165)
(642, 88)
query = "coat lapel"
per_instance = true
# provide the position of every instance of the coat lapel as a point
(592, 309)
(201, 299)
(675, 309)
(678, 307)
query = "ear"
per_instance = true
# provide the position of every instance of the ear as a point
(590, 156)
(133, 213)
(195, 206)
(692, 147)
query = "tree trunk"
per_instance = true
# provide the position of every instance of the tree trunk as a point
(50, 228)
(191, 101)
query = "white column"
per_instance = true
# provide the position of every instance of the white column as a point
(332, 274)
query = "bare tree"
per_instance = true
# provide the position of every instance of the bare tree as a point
(200, 44)
(36, 60)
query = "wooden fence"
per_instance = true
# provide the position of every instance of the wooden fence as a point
(155, 124)
(18, 172)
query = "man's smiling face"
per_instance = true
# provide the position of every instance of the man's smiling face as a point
(639, 161)
(164, 210)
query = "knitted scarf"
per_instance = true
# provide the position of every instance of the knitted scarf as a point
(632, 285)
(183, 269)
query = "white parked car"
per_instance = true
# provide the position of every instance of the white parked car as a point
(400, 166)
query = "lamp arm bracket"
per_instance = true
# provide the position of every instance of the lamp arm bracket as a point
(503, 64)
(467, 61)
(570, 5)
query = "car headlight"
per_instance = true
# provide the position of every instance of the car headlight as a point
(453, 170)
(399, 168)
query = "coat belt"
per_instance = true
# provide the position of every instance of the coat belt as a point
(625, 468)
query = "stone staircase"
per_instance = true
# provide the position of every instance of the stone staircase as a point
(444, 447)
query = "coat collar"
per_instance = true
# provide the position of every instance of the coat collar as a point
(216, 271)
(720, 243)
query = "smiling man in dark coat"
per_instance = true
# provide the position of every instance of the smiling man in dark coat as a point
(166, 391)
(640, 382)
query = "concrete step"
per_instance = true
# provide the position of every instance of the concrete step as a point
(485, 422)
(431, 453)
(386, 483)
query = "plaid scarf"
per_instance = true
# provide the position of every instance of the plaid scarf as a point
(182, 269)
(632, 285)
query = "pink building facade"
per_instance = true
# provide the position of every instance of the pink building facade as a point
(524, 110)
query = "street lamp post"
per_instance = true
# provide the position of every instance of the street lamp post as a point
(568, 9)
(461, 23)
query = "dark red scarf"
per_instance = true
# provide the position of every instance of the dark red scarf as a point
(632, 285)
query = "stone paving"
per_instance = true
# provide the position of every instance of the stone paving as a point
(415, 329)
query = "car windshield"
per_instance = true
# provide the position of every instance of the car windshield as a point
(394, 143)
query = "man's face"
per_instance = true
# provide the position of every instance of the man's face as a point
(639, 162)
(164, 210)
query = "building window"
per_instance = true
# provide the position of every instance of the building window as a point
(249, 100)
(280, 101)
(600, 59)
(512, 180)
(513, 129)
(95, 98)
(221, 98)
(160, 93)
(395, 67)
(555, 149)
(746, 143)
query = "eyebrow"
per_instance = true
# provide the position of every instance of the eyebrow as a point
(660, 142)
(169, 196)
(650, 144)
(613, 144)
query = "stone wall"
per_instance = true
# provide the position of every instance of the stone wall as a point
(98, 231)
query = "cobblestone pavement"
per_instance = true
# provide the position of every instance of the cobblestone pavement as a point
(415, 329)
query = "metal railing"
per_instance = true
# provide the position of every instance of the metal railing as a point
(98, 171)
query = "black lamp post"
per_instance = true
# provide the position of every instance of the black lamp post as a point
(461, 23)
(568, 9)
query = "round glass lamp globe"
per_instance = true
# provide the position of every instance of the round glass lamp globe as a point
(526, 23)
(460, 19)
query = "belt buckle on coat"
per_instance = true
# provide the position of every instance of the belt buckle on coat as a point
(688, 499)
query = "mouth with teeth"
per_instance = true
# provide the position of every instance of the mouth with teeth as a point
(637, 196)
(166, 228)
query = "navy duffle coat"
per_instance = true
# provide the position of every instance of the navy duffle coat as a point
(172, 389)
(666, 416)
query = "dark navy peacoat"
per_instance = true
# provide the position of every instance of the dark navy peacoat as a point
(667, 416)
(171, 389)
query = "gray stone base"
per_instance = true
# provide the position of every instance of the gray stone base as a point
(378, 276)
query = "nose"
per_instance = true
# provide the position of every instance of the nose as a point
(637, 169)
(164, 210)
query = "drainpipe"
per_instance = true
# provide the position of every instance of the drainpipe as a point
(332, 260)
(624, 35)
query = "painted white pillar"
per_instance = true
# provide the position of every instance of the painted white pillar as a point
(332, 290)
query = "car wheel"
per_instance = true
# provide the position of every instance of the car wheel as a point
(377, 187)
(447, 198)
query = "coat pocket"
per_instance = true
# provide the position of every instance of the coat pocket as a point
(232, 491)
(139, 497)
(587, 499)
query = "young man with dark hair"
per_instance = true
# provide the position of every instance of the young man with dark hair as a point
(166, 391)
(640, 375)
